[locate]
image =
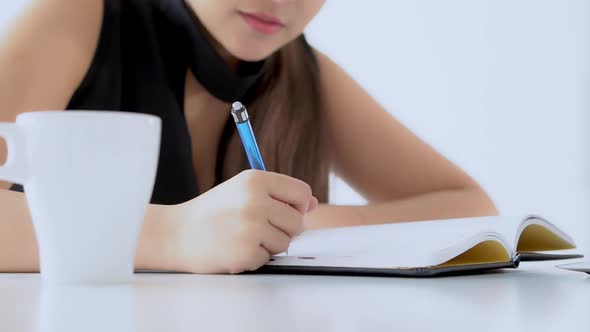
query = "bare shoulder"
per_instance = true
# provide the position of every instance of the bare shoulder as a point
(45, 51)
(330, 71)
(342, 94)
(338, 87)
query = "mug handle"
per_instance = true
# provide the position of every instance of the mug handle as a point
(14, 169)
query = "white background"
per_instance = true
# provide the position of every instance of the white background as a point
(501, 87)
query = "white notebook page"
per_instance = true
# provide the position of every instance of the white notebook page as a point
(412, 244)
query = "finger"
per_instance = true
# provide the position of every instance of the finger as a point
(313, 204)
(261, 257)
(273, 239)
(290, 190)
(284, 217)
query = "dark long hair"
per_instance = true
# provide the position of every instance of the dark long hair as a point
(285, 110)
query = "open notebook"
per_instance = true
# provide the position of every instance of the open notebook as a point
(426, 248)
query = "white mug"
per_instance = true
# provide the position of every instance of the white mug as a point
(88, 178)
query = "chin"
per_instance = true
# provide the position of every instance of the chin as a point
(252, 57)
(252, 52)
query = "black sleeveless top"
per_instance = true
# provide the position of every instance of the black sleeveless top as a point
(144, 51)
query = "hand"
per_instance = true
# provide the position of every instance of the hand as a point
(238, 225)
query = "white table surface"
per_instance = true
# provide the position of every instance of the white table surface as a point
(536, 297)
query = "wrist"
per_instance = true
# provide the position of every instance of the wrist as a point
(155, 248)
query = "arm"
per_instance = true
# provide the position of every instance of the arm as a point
(402, 177)
(43, 58)
(44, 55)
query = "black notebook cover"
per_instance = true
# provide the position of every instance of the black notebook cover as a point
(381, 272)
(537, 256)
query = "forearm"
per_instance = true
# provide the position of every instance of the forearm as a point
(155, 250)
(18, 245)
(435, 205)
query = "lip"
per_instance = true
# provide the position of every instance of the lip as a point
(262, 23)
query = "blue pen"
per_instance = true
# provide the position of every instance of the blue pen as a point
(242, 120)
(240, 114)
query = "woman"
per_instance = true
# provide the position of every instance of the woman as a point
(186, 61)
